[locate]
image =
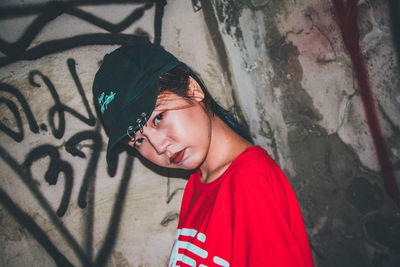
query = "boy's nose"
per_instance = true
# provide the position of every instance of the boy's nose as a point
(159, 142)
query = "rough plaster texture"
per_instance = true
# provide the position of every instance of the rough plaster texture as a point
(289, 58)
(279, 65)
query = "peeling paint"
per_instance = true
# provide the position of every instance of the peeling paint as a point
(229, 13)
(250, 67)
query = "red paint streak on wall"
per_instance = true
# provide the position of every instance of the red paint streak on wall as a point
(346, 12)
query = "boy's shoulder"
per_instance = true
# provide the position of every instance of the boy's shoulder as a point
(255, 172)
(254, 157)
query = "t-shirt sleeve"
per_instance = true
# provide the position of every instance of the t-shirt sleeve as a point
(267, 226)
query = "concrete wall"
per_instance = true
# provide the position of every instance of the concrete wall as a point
(280, 65)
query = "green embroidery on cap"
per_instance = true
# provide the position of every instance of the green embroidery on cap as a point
(104, 101)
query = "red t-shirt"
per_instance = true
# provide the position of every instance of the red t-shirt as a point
(249, 216)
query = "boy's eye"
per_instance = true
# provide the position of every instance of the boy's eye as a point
(138, 142)
(158, 118)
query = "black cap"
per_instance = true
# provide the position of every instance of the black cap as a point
(125, 90)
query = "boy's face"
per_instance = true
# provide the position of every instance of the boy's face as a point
(177, 134)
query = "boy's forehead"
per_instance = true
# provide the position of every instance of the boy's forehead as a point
(167, 100)
(165, 95)
(171, 101)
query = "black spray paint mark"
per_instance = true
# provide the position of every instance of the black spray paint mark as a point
(37, 232)
(158, 20)
(27, 179)
(20, 50)
(56, 166)
(90, 173)
(17, 136)
(60, 108)
(113, 225)
(88, 181)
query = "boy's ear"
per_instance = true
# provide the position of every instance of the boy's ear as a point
(194, 90)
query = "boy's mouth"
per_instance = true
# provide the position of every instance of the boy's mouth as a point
(177, 157)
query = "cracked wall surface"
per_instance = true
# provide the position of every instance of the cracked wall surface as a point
(280, 66)
(310, 116)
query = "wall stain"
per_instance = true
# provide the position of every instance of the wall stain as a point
(119, 259)
(267, 131)
(228, 13)
(215, 35)
(169, 217)
(328, 172)
(11, 230)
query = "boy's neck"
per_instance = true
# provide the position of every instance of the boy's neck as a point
(225, 146)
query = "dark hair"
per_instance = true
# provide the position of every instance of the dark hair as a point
(177, 81)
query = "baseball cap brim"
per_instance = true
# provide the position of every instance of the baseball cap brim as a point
(118, 132)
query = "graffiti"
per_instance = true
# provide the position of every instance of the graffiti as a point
(17, 108)
(58, 166)
(22, 50)
(347, 19)
(17, 136)
(34, 229)
(58, 108)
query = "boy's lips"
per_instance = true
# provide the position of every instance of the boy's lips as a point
(177, 157)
